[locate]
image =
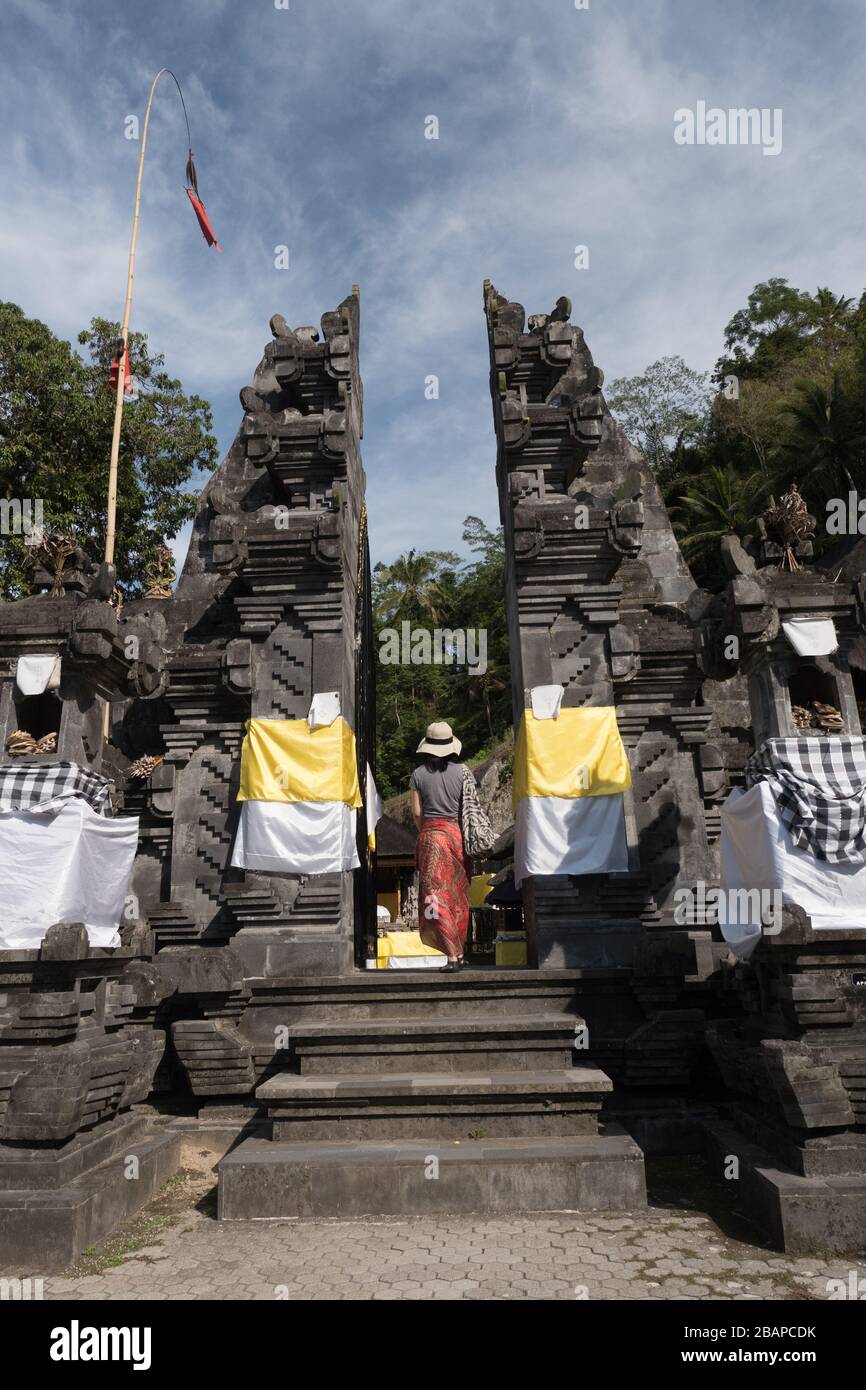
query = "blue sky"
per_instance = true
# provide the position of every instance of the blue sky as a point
(555, 130)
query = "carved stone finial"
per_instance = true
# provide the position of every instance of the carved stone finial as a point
(734, 558)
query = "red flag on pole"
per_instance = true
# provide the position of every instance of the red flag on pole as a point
(127, 376)
(198, 206)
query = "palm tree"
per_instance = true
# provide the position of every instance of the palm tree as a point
(830, 310)
(825, 442)
(719, 503)
(413, 581)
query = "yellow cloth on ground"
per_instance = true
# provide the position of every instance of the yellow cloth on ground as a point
(479, 887)
(286, 760)
(578, 754)
(401, 943)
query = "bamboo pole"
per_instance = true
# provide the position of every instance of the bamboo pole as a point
(111, 511)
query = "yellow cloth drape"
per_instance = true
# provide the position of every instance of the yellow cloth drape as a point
(401, 943)
(284, 760)
(480, 885)
(580, 753)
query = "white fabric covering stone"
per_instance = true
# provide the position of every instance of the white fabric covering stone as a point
(811, 636)
(324, 709)
(757, 853)
(546, 701)
(36, 674)
(296, 837)
(555, 835)
(68, 865)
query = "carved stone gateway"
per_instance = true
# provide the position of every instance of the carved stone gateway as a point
(600, 601)
(243, 998)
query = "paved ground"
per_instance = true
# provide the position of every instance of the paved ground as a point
(176, 1250)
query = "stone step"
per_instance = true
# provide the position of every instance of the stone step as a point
(434, 994)
(386, 1045)
(266, 1181)
(437, 1105)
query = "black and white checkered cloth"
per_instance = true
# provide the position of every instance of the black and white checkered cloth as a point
(819, 785)
(46, 786)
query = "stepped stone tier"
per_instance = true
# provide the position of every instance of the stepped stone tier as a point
(238, 1001)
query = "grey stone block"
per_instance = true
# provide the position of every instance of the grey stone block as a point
(276, 1181)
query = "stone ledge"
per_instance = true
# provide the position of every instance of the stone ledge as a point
(288, 1087)
(803, 1215)
(279, 1181)
(44, 1231)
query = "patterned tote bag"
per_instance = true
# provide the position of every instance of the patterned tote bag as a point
(478, 834)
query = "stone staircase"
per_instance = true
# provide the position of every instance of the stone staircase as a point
(431, 1095)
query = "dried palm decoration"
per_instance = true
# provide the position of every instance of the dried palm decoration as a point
(52, 552)
(803, 718)
(160, 574)
(789, 522)
(142, 767)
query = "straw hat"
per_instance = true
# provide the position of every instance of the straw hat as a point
(439, 740)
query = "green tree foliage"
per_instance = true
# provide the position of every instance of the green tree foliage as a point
(790, 408)
(56, 414)
(661, 409)
(722, 501)
(430, 591)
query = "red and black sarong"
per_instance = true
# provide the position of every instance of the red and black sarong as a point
(443, 889)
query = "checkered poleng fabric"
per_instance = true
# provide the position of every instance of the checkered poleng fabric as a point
(819, 785)
(45, 787)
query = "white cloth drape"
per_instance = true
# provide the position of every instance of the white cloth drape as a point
(757, 853)
(324, 709)
(373, 803)
(36, 674)
(68, 865)
(546, 701)
(555, 835)
(296, 837)
(811, 636)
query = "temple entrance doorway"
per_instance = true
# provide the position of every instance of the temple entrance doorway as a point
(497, 937)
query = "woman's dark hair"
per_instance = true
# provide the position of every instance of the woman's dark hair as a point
(433, 764)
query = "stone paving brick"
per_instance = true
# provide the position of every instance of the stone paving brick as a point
(655, 1255)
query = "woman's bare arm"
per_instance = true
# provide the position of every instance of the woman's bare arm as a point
(415, 802)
